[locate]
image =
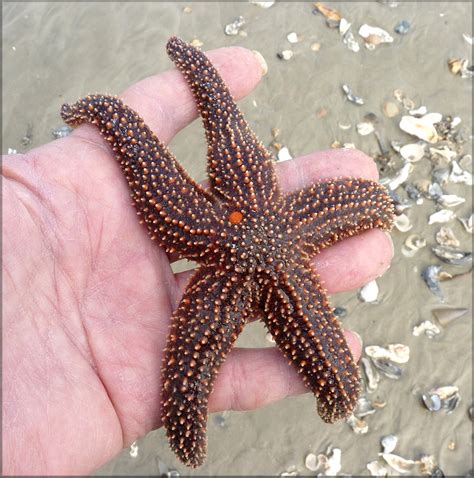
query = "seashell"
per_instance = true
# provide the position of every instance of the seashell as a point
(285, 55)
(444, 152)
(358, 425)
(329, 13)
(365, 128)
(432, 402)
(460, 66)
(390, 109)
(428, 466)
(446, 315)
(344, 26)
(263, 4)
(451, 255)
(364, 407)
(467, 223)
(398, 353)
(292, 472)
(399, 178)
(374, 36)
(311, 462)
(345, 126)
(171, 473)
(316, 46)
(402, 27)
(388, 368)
(133, 450)
(349, 40)
(284, 154)
(445, 237)
(389, 443)
(440, 175)
(234, 28)
(292, 37)
(435, 191)
(421, 127)
(459, 175)
(428, 328)
(351, 97)
(331, 464)
(422, 110)
(443, 215)
(369, 292)
(451, 200)
(402, 465)
(412, 245)
(446, 397)
(402, 223)
(431, 276)
(372, 375)
(377, 469)
(445, 392)
(412, 152)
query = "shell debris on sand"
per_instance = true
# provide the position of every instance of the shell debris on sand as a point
(441, 216)
(369, 292)
(351, 96)
(389, 443)
(374, 36)
(422, 127)
(446, 397)
(426, 327)
(446, 315)
(413, 244)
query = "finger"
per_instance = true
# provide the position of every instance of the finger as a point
(251, 378)
(166, 103)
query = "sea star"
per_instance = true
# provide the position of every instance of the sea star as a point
(253, 245)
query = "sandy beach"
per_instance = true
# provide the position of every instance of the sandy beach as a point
(58, 52)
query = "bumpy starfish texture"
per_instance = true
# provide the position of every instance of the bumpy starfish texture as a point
(253, 244)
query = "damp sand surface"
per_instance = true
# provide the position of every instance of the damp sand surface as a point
(57, 52)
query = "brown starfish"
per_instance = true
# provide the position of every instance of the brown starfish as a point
(253, 244)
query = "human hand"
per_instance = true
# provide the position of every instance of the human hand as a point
(89, 296)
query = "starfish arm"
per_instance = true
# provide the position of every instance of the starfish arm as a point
(301, 321)
(331, 210)
(240, 168)
(212, 313)
(176, 210)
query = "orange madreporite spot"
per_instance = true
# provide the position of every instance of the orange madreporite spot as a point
(235, 217)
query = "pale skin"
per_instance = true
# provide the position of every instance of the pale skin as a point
(88, 296)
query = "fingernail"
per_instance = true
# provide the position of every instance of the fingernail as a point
(261, 60)
(391, 243)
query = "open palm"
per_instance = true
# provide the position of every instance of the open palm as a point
(88, 296)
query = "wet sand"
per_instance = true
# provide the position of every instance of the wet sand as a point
(56, 52)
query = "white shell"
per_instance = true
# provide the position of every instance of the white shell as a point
(349, 40)
(398, 353)
(133, 450)
(412, 152)
(373, 377)
(389, 442)
(263, 4)
(332, 464)
(292, 37)
(368, 32)
(377, 469)
(445, 392)
(458, 175)
(284, 154)
(402, 223)
(286, 54)
(359, 426)
(365, 128)
(444, 152)
(369, 292)
(444, 215)
(451, 200)
(402, 465)
(412, 245)
(422, 110)
(399, 178)
(421, 127)
(344, 26)
(427, 327)
(445, 237)
(467, 223)
(311, 462)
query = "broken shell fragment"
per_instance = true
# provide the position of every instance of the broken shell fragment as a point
(234, 27)
(390, 109)
(377, 469)
(467, 223)
(398, 353)
(460, 66)
(400, 177)
(444, 152)
(451, 255)
(350, 95)
(428, 328)
(388, 368)
(263, 4)
(331, 462)
(358, 425)
(431, 276)
(445, 237)
(402, 27)
(459, 175)
(451, 200)
(446, 397)
(369, 292)
(311, 462)
(441, 216)
(285, 55)
(365, 128)
(402, 465)
(329, 13)
(412, 245)
(446, 315)
(364, 407)
(412, 152)
(389, 443)
(349, 40)
(372, 375)
(402, 223)
(423, 127)
(284, 154)
(374, 36)
(292, 37)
